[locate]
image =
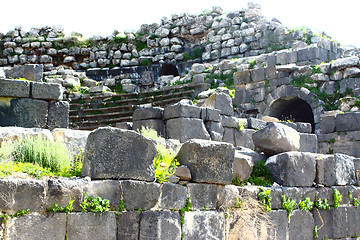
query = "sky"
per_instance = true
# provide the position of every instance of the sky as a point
(336, 18)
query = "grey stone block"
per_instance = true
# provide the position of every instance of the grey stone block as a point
(184, 129)
(14, 88)
(91, 226)
(172, 197)
(160, 225)
(28, 112)
(278, 229)
(293, 169)
(308, 143)
(301, 225)
(324, 218)
(227, 196)
(148, 113)
(229, 135)
(182, 110)
(257, 74)
(354, 218)
(32, 72)
(20, 194)
(244, 138)
(242, 77)
(157, 124)
(74, 140)
(202, 195)
(243, 166)
(128, 225)
(210, 114)
(343, 63)
(255, 123)
(350, 83)
(233, 122)
(220, 101)
(342, 222)
(243, 96)
(47, 91)
(107, 189)
(303, 127)
(31, 227)
(131, 155)
(131, 190)
(348, 122)
(58, 116)
(335, 169)
(204, 225)
(215, 130)
(62, 191)
(209, 162)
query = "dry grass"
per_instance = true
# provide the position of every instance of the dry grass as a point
(248, 222)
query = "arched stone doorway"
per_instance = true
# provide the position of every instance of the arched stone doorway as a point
(293, 109)
(168, 69)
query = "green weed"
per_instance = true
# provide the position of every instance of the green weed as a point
(337, 198)
(288, 205)
(182, 211)
(306, 204)
(260, 175)
(264, 197)
(94, 204)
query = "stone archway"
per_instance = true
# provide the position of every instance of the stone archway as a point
(292, 103)
(168, 69)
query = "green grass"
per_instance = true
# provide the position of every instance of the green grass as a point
(38, 157)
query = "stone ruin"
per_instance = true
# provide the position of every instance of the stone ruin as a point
(297, 109)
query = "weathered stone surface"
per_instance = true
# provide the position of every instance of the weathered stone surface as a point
(209, 114)
(327, 124)
(182, 109)
(160, 225)
(276, 138)
(128, 225)
(337, 169)
(348, 122)
(91, 226)
(342, 222)
(173, 196)
(233, 122)
(74, 140)
(202, 196)
(119, 154)
(293, 169)
(12, 134)
(301, 225)
(14, 88)
(209, 162)
(243, 165)
(229, 135)
(278, 229)
(183, 172)
(107, 189)
(303, 127)
(220, 101)
(58, 116)
(184, 129)
(215, 130)
(308, 143)
(256, 124)
(31, 227)
(27, 112)
(19, 194)
(244, 138)
(345, 62)
(204, 225)
(32, 72)
(157, 124)
(131, 190)
(62, 191)
(148, 113)
(324, 218)
(227, 196)
(249, 152)
(257, 74)
(48, 91)
(242, 77)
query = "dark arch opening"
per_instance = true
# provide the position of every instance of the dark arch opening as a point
(293, 109)
(168, 69)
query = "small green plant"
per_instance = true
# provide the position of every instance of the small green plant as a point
(337, 198)
(350, 195)
(236, 181)
(21, 213)
(316, 235)
(331, 151)
(238, 203)
(121, 206)
(186, 56)
(316, 69)
(196, 53)
(321, 204)
(306, 204)
(356, 202)
(260, 175)
(288, 205)
(264, 197)
(241, 126)
(140, 210)
(332, 140)
(252, 63)
(94, 204)
(67, 209)
(182, 211)
(204, 209)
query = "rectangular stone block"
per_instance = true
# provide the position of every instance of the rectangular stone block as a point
(106, 189)
(342, 223)
(348, 122)
(270, 72)
(202, 196)
(58, 116)
(242, 96)
(210, 114)
(244, 138)
(257, 74)
(233, 122)
(31, 72)
(172, 197)
(308, 143)
(291, 57)
(14, 88)
(128, 225)
(160, 225)
(324, 219)
(182, 110)
(215, 130)
(148, 113)
(46, 91)
(33, 227)
(301, 225)
(20, 194)
(279, 223)
(303, 127)
(229, 135)
(28, 112)
(281, 58)
(256, 124)
(184, 129)
(92, 226)
(131, 190)
(242, 77)
(157, 124)
(204, 225)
